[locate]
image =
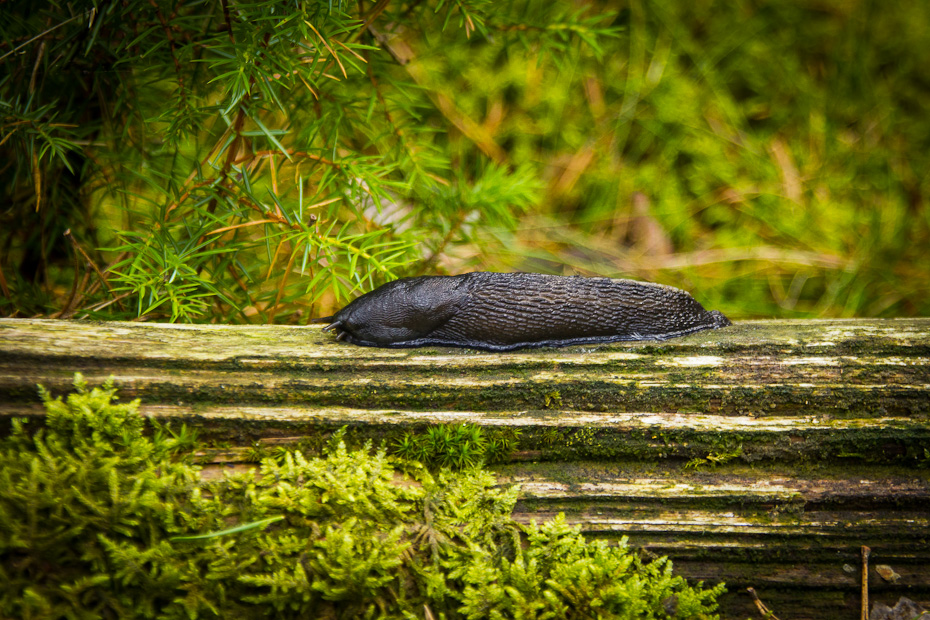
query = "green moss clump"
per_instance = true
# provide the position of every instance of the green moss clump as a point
(100, 520)
(457, 446)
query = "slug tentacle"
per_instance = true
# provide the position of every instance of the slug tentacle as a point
(506, 311)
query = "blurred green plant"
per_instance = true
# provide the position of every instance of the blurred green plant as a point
(100, 520)
(771, 158)
(259, 162)
(238, 160)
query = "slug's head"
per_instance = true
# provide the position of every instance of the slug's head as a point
(398, 312)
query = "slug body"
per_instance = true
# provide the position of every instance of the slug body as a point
(506, 311)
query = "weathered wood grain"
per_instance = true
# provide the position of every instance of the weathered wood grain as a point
(764, 454)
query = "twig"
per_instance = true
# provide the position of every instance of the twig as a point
(3, 285)
(228, 20)
(293, 154)
(374, 13)
(282, 285)
(77, 248)
(91, 12)
(865, 582)
(174, 53)
(67, 313)
(35, 68)
(104, 304)
(765, 611)
(37, 181)
(74, 281)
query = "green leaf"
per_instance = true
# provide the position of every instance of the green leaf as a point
(232, 530)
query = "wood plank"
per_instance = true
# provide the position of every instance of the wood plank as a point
(764, 454)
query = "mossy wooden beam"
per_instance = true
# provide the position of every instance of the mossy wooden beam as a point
(764, 454)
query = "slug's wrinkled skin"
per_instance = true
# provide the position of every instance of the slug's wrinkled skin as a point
(506, 311)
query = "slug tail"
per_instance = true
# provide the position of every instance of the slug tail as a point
(719, 319)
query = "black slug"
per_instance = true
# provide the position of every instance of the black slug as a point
(505, 311)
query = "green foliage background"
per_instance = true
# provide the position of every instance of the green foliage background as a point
(265, 161)
(99, 520)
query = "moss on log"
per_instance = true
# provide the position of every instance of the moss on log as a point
(764, 454)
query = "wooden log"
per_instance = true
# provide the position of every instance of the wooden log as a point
(764, 455)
